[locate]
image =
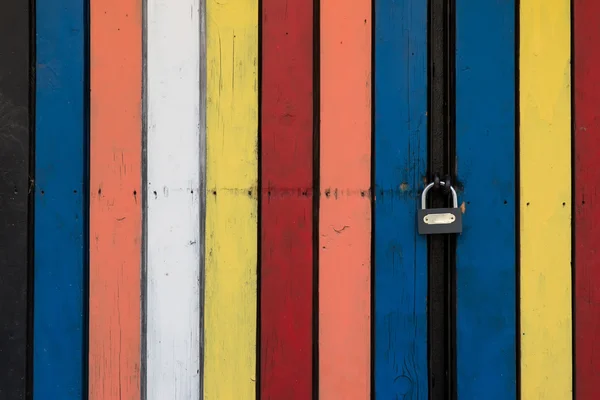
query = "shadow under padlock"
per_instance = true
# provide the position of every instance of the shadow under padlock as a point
(434, 221)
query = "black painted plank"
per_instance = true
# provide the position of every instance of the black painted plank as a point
(441, 161)
(14, 195)
(436, 302)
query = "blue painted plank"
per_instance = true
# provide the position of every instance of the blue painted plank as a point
(400, 165)
(485, 148)
(60, 201)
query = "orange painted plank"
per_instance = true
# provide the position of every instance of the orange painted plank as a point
(345, 206)
(115, 199)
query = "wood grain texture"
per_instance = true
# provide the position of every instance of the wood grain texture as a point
(486, 272)
(115, 199)
(400, 358)
(345, 208)
(230, 305)
(15, 186)
(60, 352)
(287, 200)
(545, 199)
(173, 195)
(587, 205)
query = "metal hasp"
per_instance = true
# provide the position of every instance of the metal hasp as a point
(439, 220)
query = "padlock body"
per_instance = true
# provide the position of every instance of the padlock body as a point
(435, 221)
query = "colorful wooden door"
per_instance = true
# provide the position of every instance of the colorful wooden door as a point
(218, 199)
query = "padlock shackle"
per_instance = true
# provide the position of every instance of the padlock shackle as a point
(424, 196)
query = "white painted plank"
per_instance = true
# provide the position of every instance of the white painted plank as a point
(174, 245)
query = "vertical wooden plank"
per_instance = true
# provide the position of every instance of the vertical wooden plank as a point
(15, 186)
(231, 207)
(486, 273)
(286, 207)
(173, 215)
(115, 199)
(587, 207)
(60, 200)
(345, 209)
(440, 248)
(545, 199)
(400, 166)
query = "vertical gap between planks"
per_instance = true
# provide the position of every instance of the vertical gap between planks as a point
(371, 194)
(86, 198)
(517, 39)
(573, 205)
(144, 190)
(29, 351)
(450, 138)
(316, 188)
(202, 188)
(260, 194)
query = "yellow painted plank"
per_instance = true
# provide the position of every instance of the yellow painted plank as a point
(545, 200)
(231, 206)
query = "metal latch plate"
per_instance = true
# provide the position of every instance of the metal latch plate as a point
(439, 220)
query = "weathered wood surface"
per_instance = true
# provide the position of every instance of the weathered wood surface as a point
(230, 305)
(16, 184)
(286, 265)
(175, 243)
(400, 348)
(586, 89)
(345, 207)
(545, 199)
(115, 199)
(61, 208)
(486, 274)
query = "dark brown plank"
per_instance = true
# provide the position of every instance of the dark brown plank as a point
(14, 196)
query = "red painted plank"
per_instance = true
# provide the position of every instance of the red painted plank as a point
(287, 196)
(587, 198)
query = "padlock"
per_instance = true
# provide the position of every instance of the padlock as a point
(439, 220)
